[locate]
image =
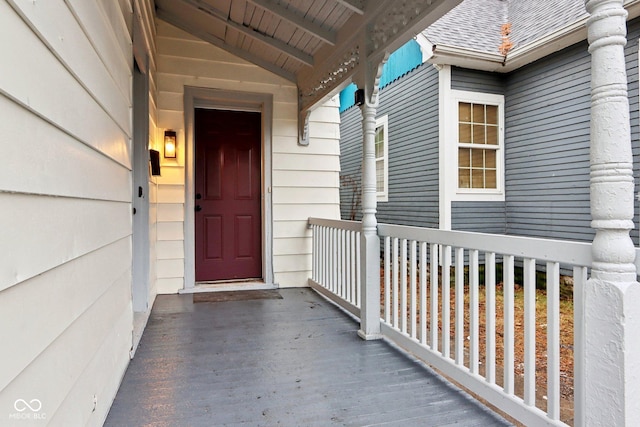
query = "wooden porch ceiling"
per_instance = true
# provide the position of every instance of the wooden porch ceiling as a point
(318, 44)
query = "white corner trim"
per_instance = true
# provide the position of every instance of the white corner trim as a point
(426, 47)
(444, 180)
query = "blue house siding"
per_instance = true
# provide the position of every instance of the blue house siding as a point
(350, 164)
(631, 53)
(481, 217)
(478, 216)
(477, 81)
(547, 140)
(411, 104)
(547, 110)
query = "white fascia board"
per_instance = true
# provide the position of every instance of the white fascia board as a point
(466, 58)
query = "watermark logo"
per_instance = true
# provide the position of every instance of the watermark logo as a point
(28, 410)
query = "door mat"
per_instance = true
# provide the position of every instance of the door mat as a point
(236, 295)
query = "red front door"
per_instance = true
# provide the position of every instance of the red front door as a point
(228, 223)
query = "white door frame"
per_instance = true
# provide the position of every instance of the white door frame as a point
(196, 97)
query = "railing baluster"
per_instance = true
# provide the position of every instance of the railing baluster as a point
(314, 253)
(358, 271)
(459, 307)
(413, 278)
(423, 292)
(394, 271)
(553, 340)
(474, 316)
(323, 259)
(343, 265)
(529, 331)
(579, 282)
(446, 301)
(336, 260)
(348, 255)
(490, 327)
(354, 268)
(403, 284)
(387, 279)
(434, 297)
(508, 324)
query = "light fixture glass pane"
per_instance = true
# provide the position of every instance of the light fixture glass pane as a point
(464, 178)
(478, 113)
(464, 157)
(464, 112)
(464, 133)
(478, 134)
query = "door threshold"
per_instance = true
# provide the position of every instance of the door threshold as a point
(227, 286)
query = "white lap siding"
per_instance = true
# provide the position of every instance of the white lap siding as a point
(304, 179)
(65, 208)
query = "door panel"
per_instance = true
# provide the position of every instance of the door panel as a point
(228, 219)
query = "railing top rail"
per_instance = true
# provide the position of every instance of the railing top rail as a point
(564, 252)
(336, 223)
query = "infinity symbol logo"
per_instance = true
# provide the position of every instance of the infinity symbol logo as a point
(22, 405)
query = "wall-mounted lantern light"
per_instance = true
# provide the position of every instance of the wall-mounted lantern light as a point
(169, 144)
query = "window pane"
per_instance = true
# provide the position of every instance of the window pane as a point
(492, 114)
(478, 134)
(477, 178)
(464, 157)
(490, 159)
(490, 178)
(464, 133)
(477, 158)
(478, 113)
(464, 178)
(492, 135)
(380, 176)
(464, 112)
(379, 150)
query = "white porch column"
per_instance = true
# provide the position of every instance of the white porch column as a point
(612, 295)
(369, 240)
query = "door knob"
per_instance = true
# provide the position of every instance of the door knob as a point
(198, 196)
(198, 208)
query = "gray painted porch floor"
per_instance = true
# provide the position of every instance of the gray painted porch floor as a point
(295, 361)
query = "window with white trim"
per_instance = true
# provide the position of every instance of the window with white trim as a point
(479, 144)
(382, 158)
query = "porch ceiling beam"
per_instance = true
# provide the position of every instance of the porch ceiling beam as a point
(298, 21)
(204, 35)
(357, 6)
(280, 46)
(385, 26)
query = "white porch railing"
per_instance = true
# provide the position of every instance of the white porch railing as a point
(336, 261)
(426, 274)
